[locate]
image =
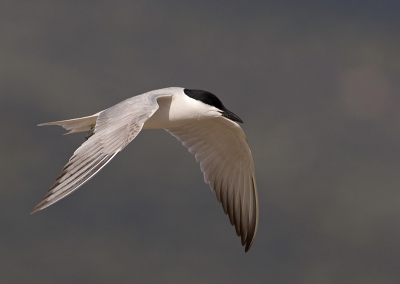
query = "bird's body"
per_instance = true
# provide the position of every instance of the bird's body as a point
(170, 114)
(198, 119)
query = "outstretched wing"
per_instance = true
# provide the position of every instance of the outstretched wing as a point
(115, 128)
(226, 161)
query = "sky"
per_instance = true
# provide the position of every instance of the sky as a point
(316, 84)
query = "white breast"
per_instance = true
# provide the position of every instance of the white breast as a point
(179, 110)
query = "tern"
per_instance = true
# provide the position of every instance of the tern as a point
(198, 119)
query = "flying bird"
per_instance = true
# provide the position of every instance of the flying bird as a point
(196, 118)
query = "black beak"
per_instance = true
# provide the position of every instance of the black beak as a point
(230, 115)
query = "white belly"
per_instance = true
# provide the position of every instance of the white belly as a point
(170, 114)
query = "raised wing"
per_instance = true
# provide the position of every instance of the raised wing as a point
(225, 159)
(115, 127)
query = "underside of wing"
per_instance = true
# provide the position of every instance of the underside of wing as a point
(220, 147)
(114, 128)
(80, 168)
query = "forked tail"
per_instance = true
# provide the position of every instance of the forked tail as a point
(77, 124)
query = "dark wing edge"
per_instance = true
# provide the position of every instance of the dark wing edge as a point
(115, 128)
(229, 170)
(69, 181)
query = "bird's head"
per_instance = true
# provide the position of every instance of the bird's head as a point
(212, 100)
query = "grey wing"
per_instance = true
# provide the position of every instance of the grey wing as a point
(115, 128)
(226, 161)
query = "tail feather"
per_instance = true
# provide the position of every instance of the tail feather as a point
(75, 125)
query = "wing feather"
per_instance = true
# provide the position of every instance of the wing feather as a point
(115, 128)
(221, 148)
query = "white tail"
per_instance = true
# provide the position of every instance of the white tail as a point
(77, 124)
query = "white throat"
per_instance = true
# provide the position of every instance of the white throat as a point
(179, 109)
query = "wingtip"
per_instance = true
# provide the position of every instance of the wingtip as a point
(42, 204)
(34, 211)
(248, 246)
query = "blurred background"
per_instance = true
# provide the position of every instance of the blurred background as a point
(317, 85)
